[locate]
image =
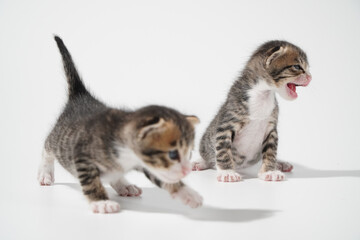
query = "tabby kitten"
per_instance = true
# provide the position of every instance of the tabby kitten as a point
(245, 128)
(97, 143)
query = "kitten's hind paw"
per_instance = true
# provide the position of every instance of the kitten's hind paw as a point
(198, 166)
(272, 176)
(188, 197)
(284, 166)
(228, 176)
(45, 178)
(129, 191)
(106, 206)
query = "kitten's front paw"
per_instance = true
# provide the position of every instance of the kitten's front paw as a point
(188, 197)
(106, 206)
(228, 176)
(45, 177)
(272, 176)
(129, 191)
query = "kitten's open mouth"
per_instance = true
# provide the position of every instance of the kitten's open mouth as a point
(291, 88)
(303, 80)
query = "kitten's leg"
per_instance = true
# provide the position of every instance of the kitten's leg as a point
(268, 171)
(224, 158)
(238, 158)
(124, 188)
(177, 190)
(207, 154)
(89, 176)
(46, 169)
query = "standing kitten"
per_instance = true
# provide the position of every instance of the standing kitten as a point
(93, 142)
(245, 128)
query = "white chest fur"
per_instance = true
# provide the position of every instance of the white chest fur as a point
(261, 101)
(248, 141)
(128, 159)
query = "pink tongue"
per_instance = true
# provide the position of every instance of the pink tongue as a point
(292, 87)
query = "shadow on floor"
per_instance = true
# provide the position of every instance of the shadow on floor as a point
(155, 200)
(301, 171)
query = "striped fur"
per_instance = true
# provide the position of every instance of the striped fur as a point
(244, 130)
(97, 143)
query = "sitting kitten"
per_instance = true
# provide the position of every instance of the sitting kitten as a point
(244, 130)
(93, 142)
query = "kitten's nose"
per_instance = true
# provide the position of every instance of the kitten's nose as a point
(308, 77)
(186, 171)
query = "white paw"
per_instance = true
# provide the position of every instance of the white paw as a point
(129, 191)
(188, 197)
(228, 176)
(272, 176)
(45, 176)
(106, 206)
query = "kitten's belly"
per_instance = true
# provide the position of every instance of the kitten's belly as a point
(248, 141)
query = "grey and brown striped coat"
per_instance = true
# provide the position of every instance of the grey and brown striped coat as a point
(244, 131)
(96, 143)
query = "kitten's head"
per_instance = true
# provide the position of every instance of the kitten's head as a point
(286, 66)
(164, 140)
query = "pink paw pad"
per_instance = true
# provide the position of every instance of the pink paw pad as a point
(45, 179)
(272, 176)
(130, 191)
(284, 166)
(228, 176)
(287, 169)
(105, 206)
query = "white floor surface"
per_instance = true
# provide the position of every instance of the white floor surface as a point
(311, 204)
(185, 55)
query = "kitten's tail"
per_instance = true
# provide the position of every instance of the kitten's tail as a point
(76, 86)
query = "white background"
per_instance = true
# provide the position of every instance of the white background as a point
(185, 55)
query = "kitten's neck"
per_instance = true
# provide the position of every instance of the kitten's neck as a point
(261, 100)
(127, 158)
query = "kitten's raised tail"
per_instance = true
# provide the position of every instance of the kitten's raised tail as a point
(76, 86)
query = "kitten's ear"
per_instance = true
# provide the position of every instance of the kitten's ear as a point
(194, 120)
(151, 125)
(274, 53)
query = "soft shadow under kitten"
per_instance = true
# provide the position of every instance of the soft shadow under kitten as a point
(97, 143)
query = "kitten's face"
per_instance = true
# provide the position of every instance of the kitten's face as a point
(288, 67)
(165, 147)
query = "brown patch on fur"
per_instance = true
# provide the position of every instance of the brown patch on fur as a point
(162, 138)
(287, 58)
(290, 56)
